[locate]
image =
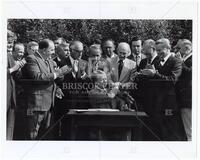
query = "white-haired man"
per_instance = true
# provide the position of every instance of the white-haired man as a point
(122, 67)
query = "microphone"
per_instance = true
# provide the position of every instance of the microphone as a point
(129, 96)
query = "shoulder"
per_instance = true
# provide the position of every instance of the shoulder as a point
(31, 58)
(130, 62)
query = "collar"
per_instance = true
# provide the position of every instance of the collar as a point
(139, 55)
(153, 58)
(186, 57)
(41, 56)
(72, 60)
(119, 60)
(165, 59)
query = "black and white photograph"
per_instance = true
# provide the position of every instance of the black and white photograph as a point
(108, 80)
(99, 80)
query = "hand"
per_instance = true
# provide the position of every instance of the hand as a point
(18, 66)
(64, 70)
(59, 93)
(149, 66)
(148, 72)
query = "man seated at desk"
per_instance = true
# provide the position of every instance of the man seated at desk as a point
(103, 97)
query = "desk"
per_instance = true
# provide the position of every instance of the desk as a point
(130, 120)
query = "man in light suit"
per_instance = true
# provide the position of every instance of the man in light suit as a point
(136, 55)
(122, 68)
(41, 72)
(164, 113)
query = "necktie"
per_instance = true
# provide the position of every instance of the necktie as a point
(120, 66)
(75, 66)
(137, 60)
(47, 64)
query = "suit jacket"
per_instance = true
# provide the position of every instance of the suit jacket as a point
(99, 99)
(184, 85)
(128, 68)
(144, 62)
(163, 95)
(143, 89)
(11, 90)
(72, 87)
(40, 89)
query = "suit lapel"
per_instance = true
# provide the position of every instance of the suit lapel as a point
(41, 63)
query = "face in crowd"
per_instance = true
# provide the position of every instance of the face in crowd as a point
(10, 43)
(18, 52)
(163, 47)
(47, 48)
(101, 80)
(123, 50)
(32, 49)
(136, 47)
(59, 41)
(66, 50)
(95, 52)
(76, 50)
(148, 48)
(108, 48)
(186, 48)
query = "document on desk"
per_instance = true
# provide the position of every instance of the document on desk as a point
(96, 110)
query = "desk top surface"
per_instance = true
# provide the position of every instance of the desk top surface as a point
(77, 112)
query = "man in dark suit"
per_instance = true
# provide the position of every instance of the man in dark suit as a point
(164, 113)
(136, 47)
(143, 88)
(72, 83)
(74, 86)
(12, 74)
(41, 72)
(184, 87)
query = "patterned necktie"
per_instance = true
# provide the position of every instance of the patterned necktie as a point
(120, 66)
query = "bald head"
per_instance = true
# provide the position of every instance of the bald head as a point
(46, 48)
(163, 47)
(123, 50)
(76, 49)
(164, 42)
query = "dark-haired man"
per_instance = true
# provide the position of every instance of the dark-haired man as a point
(41, 71)
(136, 47)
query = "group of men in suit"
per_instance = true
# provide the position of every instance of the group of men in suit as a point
(158, 80)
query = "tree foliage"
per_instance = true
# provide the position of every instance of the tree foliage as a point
(87, 30)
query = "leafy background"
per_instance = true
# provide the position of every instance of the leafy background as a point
(87, 30)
